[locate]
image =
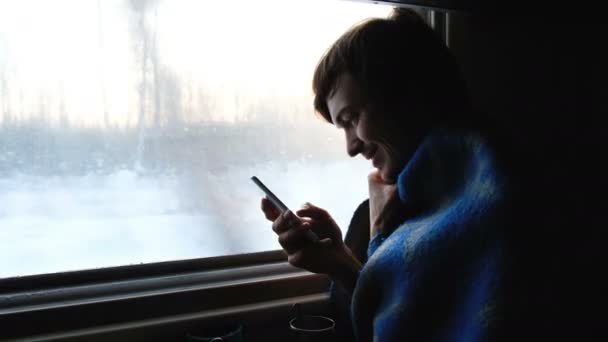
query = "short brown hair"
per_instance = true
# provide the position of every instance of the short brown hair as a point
(393, 59)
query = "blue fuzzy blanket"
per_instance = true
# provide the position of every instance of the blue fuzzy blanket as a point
(436, 276)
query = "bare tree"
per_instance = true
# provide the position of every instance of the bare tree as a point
(4, 97)
(155, 70)
(172, 97)
(64, 122)
(102, 64)
(142, 34)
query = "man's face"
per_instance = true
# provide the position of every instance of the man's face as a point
(372, 134)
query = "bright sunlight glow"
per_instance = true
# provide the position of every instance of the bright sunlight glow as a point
(82, 58)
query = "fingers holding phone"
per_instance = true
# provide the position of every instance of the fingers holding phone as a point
(312, 241)
(321, 222)
(285, 222)
(273, 208)
(292, 232)
(270, 211)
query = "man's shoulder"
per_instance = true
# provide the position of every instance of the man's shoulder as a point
(357, 235)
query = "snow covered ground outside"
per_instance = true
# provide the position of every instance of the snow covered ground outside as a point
(63, 223)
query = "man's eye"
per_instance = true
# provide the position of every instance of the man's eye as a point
(352, 119)
(347, 119)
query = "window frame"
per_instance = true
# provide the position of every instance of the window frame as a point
(129, 272)
(434, 5)
(152, 294)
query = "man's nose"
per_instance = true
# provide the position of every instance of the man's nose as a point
(353, 143)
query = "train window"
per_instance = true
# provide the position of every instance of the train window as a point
(129, 129)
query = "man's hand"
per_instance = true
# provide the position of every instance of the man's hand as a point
(329, 256)
(385, 208)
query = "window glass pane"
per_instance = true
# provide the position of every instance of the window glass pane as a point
(129, 130)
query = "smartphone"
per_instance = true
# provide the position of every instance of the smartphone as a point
(281, 207)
